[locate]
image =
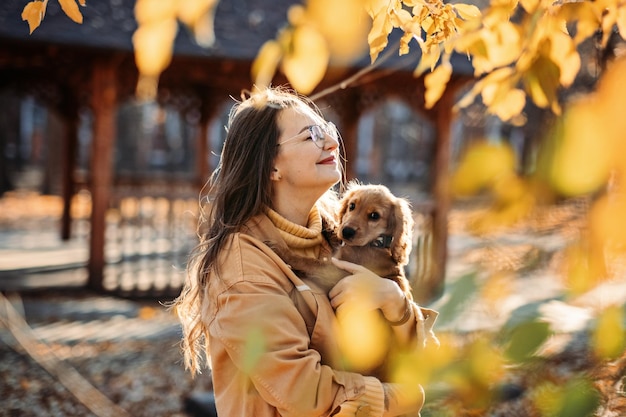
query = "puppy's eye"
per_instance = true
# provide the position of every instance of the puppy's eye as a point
(351, 206)
(374, 216)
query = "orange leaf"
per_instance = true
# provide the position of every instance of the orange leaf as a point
(70, 7)
(33, 13)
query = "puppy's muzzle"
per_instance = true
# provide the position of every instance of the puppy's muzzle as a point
(348, 233)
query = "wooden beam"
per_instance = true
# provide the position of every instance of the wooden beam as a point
(104, 102)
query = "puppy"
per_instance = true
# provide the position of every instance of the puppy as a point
(375, 229)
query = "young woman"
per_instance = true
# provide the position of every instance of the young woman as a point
(268, 334)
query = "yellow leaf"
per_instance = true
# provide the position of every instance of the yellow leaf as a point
(542, 81)
(190, 12)
(496, 86)
(583, 157)
(203, 29)
(153, 44)
(607, 222)
(530, 5)
(400, 18)
(481, 166)
(147, 11)
(508, 45)
(70, 7)
(375, 7)
(436, 83)
(467, 11)
(404, 43)
(564, 54)
(608, 337)
(296, 15)
(82, 2)
(428, 61)
(379, 33)
(612, 98)
(621, 21)
(344, 24)
(266, 62)
(510, 105)
(584, 16)
(361, 336)
(308, 59)
(34, 13)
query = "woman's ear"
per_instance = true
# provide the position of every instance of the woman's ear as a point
(275, 175)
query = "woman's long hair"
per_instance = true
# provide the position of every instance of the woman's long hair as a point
(238, 189)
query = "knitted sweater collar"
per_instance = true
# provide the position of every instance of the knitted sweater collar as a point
(297, 236)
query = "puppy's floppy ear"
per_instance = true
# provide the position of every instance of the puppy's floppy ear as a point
(343, 207)
(402, 220)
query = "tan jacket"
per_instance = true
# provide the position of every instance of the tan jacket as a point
(271, 338)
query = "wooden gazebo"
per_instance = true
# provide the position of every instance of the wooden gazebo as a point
(70, 66)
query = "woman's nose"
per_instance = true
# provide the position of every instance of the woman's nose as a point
(331, 142)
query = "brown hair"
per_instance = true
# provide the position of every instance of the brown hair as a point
(238, 189)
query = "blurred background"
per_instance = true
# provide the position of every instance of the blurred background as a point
(519, 208)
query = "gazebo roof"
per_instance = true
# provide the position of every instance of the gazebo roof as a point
(241, 26)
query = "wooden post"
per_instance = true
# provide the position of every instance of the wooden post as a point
(207, 114)
(68, 164)
(104, 100)
(431, 286)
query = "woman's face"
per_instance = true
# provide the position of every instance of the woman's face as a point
(302, 163)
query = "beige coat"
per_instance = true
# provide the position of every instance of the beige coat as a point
(271, 338)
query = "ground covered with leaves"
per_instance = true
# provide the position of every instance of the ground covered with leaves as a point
(135, 363)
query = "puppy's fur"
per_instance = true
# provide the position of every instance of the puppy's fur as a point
(374, 229)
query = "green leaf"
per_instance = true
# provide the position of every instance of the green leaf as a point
(460, 294)
(580, 399)
(525, 339)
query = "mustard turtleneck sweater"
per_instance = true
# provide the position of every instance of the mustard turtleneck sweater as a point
(302, 240)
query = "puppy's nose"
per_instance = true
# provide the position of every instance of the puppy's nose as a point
(348, 233)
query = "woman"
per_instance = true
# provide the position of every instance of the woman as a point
(268, 334)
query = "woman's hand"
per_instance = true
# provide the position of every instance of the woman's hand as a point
(371, 291)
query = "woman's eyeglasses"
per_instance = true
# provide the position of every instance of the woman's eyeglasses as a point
(317, 133)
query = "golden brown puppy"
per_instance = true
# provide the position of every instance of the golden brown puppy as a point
(375, 229)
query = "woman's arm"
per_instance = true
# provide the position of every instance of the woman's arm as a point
(266, 339)
(412, 326)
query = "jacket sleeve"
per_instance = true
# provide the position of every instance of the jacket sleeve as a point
(267, 340)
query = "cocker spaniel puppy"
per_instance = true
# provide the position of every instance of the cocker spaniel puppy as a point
(374, 229)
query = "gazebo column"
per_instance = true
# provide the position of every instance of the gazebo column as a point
(208, 112)
(431, 285)
(104, 105)
(69, 113)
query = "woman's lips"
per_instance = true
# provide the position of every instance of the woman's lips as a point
(329, 160)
